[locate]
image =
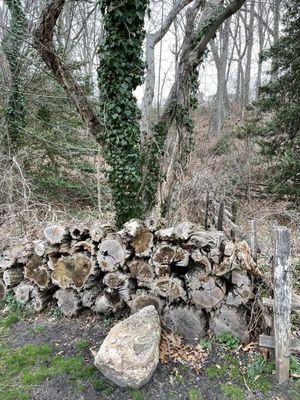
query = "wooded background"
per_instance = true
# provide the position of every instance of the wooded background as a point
(75, 141)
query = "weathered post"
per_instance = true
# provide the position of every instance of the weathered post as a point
(234, 211)
(253, 240)
(283, 289)
(206, 211)
(282, 305)
(220, 216)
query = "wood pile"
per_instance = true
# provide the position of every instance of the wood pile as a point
(196, 279)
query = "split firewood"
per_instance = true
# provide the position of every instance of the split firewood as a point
(72, 271)
(184, 230)
(64, 248)
(79, 232)
(207, 293)
(214, 255)
(56, 234)
(108, 302)
(7, 260)
(185, 321)
(205, 240)
(37, 272)
(142, 299)
(52, 250)
(162, 269)
(132, 228)
(243, 289)
(166, 234)
(40, 299)
(126, 292)
(143, 243)
(164, 255)
(141, 270)
(202, 265)
(229, 248)
(229, 319)
(111, 255)
(83, 246)
(225, 266)
(18, 254)
(168, 287)
(40, 247)
(88, 297)
(68, 301)
(115, 280)
(244, 260)
(240, 278)
(181, 257)
(96, 233)
(23, 292)
(12, 277)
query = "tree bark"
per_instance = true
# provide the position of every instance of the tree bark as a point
(43, 43)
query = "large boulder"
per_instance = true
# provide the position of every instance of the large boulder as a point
(130, 353)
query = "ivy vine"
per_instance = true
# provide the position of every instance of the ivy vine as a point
(121, 70)
(12, 46)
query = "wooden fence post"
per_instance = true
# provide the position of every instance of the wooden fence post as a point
(234, 211)
(220, 216)
(283, 289)
(206, 211)
(283, 302)
(253, 240)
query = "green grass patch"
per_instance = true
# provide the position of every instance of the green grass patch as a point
(136, 395)
(82, 345)
(194, 394)
(205, 344)
(38, 329)
(228, 341)
(218, 371)
(15, 311)
(23, 368)
(233, 392)
(55, 313)
(295, 366)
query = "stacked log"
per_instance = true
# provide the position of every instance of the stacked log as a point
(196, 279)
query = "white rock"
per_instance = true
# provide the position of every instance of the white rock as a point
(130, 353)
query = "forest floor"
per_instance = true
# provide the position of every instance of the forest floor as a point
(48, 357)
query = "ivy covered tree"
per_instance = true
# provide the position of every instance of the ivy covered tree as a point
(279, 107)
(120, 73)
(12, 46)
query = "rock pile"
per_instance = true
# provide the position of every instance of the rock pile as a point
(195, 279)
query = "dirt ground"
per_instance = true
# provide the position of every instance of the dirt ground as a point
(223, 375)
